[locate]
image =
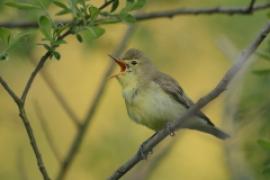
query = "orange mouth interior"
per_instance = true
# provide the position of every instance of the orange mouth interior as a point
(120, 63)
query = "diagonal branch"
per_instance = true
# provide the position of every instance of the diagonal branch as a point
(221, 86)
(243, 10)
(10, 91)
(251, 5)
(77, 141)
(47, 133)
(58, 95)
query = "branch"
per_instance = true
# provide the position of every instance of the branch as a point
(47, 133)
(221, 86)
(163, 14)
(10, 91)
(251, 5)
(149, 167)
(77, 141)
(33, 143)
(202, 11)
(58, 95)
(39, 66)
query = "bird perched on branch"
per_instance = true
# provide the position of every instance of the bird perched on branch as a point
(153, 98)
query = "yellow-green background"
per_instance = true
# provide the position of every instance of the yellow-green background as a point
(186, 47)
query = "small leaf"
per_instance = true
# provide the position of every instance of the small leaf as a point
(60, 4)
(45, 25)
(59, 42)
(17, 38)
(139, 4)
(79, 38)
(115, 5)
(127, 17)
(3, 56)
(264, 144)
(95, 31)
(5, 35)
(93, 12)
(64, 11)
(56, 54)
(22, 5)
(262, 72)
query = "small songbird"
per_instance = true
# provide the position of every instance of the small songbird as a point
(153, 98)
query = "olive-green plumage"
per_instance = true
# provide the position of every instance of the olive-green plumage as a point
(153, 98)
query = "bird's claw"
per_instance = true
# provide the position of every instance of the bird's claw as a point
(142, 153)
(170, 129)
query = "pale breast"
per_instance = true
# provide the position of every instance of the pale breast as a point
(151, 106)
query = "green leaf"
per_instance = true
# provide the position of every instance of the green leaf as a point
(22, 5)
(3, 56)
(5, 35)
(59, 42)
(115, 5)
(57, 55)
(45, 26)
(64, 11)
(139, 4)
(127, 17)
(95, 31)
(17, 38)
(60, 4)
(262, 72)
(93, 12)
(79, 38)
(264, 144)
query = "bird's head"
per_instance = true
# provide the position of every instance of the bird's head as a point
(134, 68)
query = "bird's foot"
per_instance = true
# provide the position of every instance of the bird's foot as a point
(170, 129)
(142, 150)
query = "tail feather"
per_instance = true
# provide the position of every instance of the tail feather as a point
(218, 133)
(213, 131)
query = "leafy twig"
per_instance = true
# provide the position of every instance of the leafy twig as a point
(47, 133)
(164, 14)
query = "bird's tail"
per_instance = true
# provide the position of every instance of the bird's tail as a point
(217, 132)
(214, 131)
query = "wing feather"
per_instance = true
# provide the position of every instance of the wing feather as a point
(172, 87)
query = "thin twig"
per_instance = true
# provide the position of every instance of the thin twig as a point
(146, 171)
(77, 141)
(58, 95)
(164, 14)
(47, 132)
(107, 3)
(39, 66)
(221, 86)
(10, 91)
(202, 11)
(251, 5)
(33, 143)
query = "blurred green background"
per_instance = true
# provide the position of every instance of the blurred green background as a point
(196, 50)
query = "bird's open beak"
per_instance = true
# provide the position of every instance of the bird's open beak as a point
(121, 64)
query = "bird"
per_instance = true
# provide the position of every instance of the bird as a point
(154, 99)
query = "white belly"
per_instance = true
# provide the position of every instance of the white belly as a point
(151, 106)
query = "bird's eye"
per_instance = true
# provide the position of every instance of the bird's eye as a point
(134, 62)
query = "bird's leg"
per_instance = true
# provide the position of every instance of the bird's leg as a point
(170, 129)
(141, 149)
